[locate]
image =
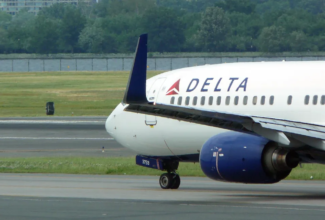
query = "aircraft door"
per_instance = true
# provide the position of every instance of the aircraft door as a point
(152, 96)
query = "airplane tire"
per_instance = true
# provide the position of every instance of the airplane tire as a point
(166, 180)
(176, 182)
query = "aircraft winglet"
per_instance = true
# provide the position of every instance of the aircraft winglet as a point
(136, 88)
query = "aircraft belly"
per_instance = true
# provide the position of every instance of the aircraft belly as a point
(185, 138)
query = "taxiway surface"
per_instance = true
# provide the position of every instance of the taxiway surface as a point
(32, 196)
(57, 136)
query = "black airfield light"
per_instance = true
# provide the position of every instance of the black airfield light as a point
(49, 108)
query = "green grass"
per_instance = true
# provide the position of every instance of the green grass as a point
(74, 93)
(121, 166)
(72, 165)
(317, 171)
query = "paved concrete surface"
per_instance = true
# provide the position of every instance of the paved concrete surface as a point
(36, 196)
(57, 136)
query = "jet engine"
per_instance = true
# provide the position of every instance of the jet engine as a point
(246, 158)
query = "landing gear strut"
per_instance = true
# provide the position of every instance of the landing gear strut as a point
(169, 181)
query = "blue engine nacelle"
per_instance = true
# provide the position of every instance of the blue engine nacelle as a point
(245, 158)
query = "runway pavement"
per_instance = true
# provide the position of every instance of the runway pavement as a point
(57, 136)
(32, 196)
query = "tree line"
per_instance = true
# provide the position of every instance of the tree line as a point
(113, 26)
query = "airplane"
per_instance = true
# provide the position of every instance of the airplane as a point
(243, 122)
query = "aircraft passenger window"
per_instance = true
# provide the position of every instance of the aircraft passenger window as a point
(228, 100)
(245, 100)
(289, 100)
(202, 100)
(236, 100)
(187, 100)
(323, 100)
(179, 100)
(315, 99)
(263, 100)
(307, 100)
(211, 100)
(271, 100)
(172, 100)
(194, 100)
(219, 100)
(254, 100)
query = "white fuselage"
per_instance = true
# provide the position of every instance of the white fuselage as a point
(234, 88)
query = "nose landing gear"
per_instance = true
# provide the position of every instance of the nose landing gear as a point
(169, 181)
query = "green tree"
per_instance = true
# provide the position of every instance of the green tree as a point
(317, 27)
(272, 6)
(118, 7)
(55, 11)
(192, 6)
(4, 40)
(165, 29)
(135, 7)
(313, 6)
(273, 39)
(125, 30)
(4, 16)
(241, 43)
(71, 26)
(45, 35)
(299, 41)
(88, 10)
(296, 20)
(245, 29)
(191, 23)
(319, 41)
(5, 19)
(214, 30)
(113, 26)
(316, 33)
(19, 31)
(93, 39)
(241, 6)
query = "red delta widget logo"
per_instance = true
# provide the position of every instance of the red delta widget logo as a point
(211, 84)
(174, 89)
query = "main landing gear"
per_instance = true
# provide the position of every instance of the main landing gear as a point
(169, 181)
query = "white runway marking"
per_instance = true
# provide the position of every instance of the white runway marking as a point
(47, 122)
(53, 138)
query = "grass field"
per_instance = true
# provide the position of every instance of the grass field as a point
(121, 166)
(74, 93)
